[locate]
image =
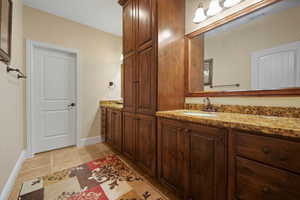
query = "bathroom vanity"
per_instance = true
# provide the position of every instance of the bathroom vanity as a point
(236, 152)
(229, 155)
(220, 155)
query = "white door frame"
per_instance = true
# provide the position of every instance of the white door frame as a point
(30, 45)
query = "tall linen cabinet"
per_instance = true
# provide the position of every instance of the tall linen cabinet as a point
(153, 49)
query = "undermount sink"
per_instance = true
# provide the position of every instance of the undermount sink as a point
(200, 114)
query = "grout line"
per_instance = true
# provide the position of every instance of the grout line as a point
(51, 162)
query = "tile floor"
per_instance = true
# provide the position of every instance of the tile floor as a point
(52, 161)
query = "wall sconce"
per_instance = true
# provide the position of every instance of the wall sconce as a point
(230, 3)
(214, 8)
(199, 14)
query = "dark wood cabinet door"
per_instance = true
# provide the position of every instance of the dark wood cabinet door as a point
(262, 182)
(171, 155)
(146, 143)
(103, 122)
(129, 135)
(146, 87)
(108, 126)
(130, 83)
(144, 21)
(116, 129)
(129, 27)
(206, 163)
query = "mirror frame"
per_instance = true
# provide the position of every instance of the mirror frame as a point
(241, 13)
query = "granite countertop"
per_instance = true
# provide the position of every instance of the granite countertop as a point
(112, 104)
(269, 125)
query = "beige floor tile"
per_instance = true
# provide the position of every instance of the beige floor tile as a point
(37, 172)
(40, 160)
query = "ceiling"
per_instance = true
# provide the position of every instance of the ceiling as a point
(105, 15)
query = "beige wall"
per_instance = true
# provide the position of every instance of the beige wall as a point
(191, 5)
(12, 117)
(238, 43)
(99, 60)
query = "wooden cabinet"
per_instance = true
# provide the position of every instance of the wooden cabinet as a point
(192, 159)
(129, 27)
(276, 152)
(146, 143)
(140, 82)
(108, 138)
(129, 135)
(139, 141)
(153, 48)
(114, 128)
(103, 122)
(263, 167)
(206, 157)
(261, 182)
(130, 84)
(145, 18)
(146, 85)
(153, 44)
(171, 155)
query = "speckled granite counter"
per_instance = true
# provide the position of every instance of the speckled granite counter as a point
(112, 104)
(276, 126)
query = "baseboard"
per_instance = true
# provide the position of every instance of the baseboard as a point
(12, 177)
(90, 141)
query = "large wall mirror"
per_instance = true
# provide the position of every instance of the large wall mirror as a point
(253, 52)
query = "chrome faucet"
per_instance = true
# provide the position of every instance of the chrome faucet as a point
(208, 106)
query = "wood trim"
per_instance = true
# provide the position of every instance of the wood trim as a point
(6, 57)
(231, 163)
(232, 17)
(254, 93)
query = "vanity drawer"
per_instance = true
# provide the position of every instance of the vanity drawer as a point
(272, 151)
(261, 182)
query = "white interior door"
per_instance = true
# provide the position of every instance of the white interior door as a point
(54, 99)
(277, 67)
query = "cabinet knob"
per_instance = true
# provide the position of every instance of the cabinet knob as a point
(283, 158)
(186, 130)
(266, 150)
(266, 190)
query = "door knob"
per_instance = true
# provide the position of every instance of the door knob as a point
(72, 105)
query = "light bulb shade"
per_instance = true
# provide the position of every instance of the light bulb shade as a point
(230, 3)
(214, 8)
(199, 16)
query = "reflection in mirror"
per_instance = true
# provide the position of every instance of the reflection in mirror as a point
(259, 51)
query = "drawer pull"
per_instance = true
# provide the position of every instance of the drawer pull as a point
(186, 131)
(266, 150)
(283, 158)
(266, 190)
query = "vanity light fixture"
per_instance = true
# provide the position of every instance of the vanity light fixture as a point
(214, 8)
(230, 3)
(199, 14)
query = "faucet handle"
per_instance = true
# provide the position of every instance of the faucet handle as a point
(206, 101)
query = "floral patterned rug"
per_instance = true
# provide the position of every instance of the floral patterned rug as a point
(107, 178)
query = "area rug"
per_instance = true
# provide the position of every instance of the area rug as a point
(107, 178)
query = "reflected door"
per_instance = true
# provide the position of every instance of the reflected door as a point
(277, 67)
